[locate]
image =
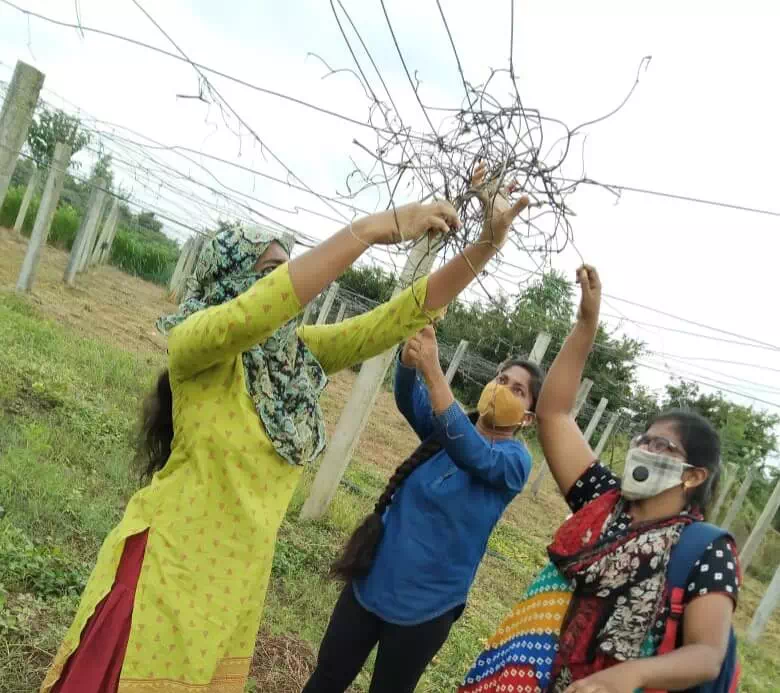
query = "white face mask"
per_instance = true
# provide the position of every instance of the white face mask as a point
(647, 474)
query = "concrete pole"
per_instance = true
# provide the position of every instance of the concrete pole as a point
(91, 223)
(327, 304)
(730, 477)
(342, 310)
(32, 186)
(736, 504)
(361, 401)
(307, 312)
(81, 247)
(177, 272)
(606, 434)
(540, 347)
(105, 255)
(582, 397)
(594, 420)
(579, 403)
(457, 357)
(15, 118)
(763, 525)
(189, 266)
(768, 604)
(103, 247)
(48, 206)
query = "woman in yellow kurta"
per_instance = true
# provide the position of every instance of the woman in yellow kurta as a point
(234, 419)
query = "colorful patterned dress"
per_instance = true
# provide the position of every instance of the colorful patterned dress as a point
(213, 512)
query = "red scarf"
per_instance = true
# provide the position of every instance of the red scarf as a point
(620, 585)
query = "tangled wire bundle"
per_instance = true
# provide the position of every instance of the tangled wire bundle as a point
(510, 139)
(491, 125)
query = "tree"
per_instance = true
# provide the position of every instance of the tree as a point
(507, 327)
(369, 282)
(50, 127)
(102, 169)
(748, 436)
(147, 220)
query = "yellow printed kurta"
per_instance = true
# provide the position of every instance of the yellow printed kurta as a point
(214, 510)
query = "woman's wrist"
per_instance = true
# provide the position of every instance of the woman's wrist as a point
(365, 229)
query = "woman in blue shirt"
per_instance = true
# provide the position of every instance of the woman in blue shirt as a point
(410, 565)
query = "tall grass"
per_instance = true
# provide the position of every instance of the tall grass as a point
(148, 260)
(134, 252)
(64, 226)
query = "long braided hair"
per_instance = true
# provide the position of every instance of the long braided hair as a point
(358, 555)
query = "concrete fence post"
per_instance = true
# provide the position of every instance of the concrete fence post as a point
(48, 206)
(15, 118)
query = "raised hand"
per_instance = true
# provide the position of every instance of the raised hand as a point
(410, 222)
(590, 288)
(422, 351)
(499, 212)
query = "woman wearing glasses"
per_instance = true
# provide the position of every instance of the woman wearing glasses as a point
(603, 616)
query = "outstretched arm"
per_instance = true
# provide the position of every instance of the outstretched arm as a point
(411, 396)
(340, 346)
(565, 448)
(222, 331)
(314, 270)
(504, 465)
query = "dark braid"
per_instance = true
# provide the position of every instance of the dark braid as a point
(358, 555)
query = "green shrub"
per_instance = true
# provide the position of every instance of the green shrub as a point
(64, 227)
(146, 259)
(10, 208)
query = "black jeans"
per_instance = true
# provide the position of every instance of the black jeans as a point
(403, 654)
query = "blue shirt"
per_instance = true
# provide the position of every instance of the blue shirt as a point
(439, 521)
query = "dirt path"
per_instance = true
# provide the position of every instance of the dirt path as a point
(105, 303)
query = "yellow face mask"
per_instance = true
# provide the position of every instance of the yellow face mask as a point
(500, 407)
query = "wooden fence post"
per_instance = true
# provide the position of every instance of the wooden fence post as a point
(751, 546)
(457, 357)
(29, 193)
(40, 232)
(606, 434)
(361, 401)
(327, 304)
(765, 608)
(82, 245)
(579, 403)
(15, 118)
(736, 504)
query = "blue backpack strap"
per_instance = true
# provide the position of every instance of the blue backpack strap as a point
(694, 540)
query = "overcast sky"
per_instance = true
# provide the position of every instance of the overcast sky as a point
(701, 123)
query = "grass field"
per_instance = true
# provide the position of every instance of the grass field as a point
(75, 364)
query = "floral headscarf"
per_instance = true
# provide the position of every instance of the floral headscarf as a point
(283, 377)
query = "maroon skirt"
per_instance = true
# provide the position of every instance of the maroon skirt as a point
(96, 664)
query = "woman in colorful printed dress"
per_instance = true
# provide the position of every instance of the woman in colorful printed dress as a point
(596, 619)
(175, 600)
(410, 565)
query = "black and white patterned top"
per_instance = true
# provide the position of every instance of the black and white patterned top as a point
(715, 573)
